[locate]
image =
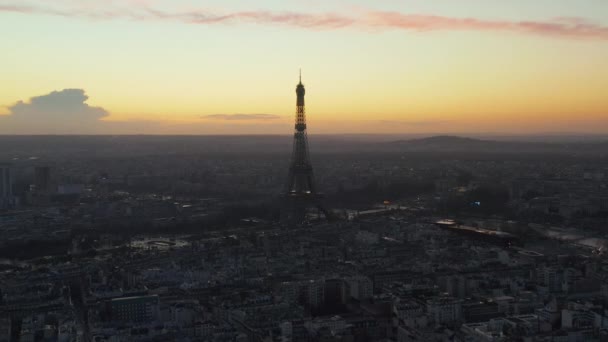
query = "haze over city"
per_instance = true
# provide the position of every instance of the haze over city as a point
(304, 171)
(220, 67)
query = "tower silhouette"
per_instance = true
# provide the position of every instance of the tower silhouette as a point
(300, 191)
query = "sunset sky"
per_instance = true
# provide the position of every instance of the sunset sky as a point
(369, 66)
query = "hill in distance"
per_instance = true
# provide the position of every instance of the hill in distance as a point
(448, 143)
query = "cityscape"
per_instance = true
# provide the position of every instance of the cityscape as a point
(264, 230)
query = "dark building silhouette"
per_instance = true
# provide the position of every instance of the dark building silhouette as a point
(42, 178)
(6, 186)
(300, 191)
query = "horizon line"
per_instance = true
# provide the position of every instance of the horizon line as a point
(463, 134)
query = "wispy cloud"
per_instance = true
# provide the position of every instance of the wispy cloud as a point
(559, 27)
(238, 117)
(362, 19)
(412, 123)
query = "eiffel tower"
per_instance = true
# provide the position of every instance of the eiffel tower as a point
(300, 191)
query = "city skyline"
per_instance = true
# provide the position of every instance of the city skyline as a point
(442, 176)
(391, 67)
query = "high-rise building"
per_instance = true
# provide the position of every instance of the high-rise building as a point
(6, 187)
(42, 178)
(300, 192)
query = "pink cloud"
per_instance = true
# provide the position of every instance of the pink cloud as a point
(566, 27)
(560, 27)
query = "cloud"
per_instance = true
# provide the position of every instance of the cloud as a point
(65, 104)
(238, 117)
(58, 111)
(413, 123)
(558, 27)
(566, 27)
(67, 112)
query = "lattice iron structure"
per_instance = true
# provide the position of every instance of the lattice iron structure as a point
(300, 192)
